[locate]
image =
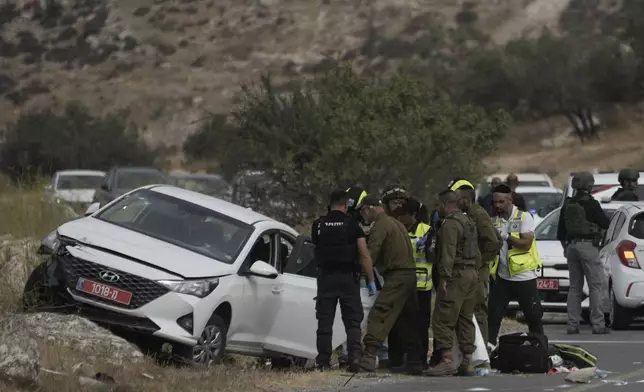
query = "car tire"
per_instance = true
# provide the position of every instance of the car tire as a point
(212, 345)
(37, 295)
(620, 317)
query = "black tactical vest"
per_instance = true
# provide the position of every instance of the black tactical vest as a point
(334, 245)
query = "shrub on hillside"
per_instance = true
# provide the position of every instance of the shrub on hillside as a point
(344, 128)
(206, 142)
(41, 142)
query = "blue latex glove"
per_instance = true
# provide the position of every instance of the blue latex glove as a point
(371, 286)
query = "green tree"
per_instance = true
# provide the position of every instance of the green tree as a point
(343, 128)
(43, 141)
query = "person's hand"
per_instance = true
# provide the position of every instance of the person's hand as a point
(371, 286)
(504, 234)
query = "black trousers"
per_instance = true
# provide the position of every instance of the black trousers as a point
(343, 287)
(396, 349)
(525, 293)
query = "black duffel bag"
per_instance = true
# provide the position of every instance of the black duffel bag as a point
(524, 352)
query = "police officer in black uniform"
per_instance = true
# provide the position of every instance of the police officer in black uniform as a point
(339, 244)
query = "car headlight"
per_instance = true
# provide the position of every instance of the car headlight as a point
(199, 288)
(50, 244)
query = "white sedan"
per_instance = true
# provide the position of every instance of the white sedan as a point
(622, 254)
(188, 269)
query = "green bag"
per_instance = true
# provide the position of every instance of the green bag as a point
(577, 355)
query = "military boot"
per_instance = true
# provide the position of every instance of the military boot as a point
(368, 362)
(444, 368)
(466, 369)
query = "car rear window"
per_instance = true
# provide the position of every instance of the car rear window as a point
(636, 228)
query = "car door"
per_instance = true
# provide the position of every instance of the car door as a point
(294, 331)
(261, 296)
(609, 243)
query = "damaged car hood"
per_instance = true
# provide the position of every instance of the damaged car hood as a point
(96, 233)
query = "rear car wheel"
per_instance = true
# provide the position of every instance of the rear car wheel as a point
(37, 294)
(211, 348)
(620, 317)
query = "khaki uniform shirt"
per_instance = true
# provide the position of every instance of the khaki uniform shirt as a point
(490, 241)
(389, 245)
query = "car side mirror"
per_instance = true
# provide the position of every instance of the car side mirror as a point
(263, 269)
(541, 212)
(92, 208)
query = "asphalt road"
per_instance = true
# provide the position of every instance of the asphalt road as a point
(621, 353)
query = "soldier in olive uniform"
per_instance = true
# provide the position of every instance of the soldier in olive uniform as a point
(490, 243)
(627, 178)
(392, 255)
(458, 255)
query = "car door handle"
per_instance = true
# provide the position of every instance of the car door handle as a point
(277, 290)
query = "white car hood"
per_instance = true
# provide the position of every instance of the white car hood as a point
(181, 261)
(75, 195)
(551, 253)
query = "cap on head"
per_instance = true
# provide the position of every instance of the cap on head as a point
(371, 200)
(459, 183)
(582, 181)
(393, 192)
(628, 174)
(502, 188)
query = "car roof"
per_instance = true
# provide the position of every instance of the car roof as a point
(234, 211)
(538, 189)
(81, 172)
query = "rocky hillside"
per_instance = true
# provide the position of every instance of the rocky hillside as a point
(173, 61)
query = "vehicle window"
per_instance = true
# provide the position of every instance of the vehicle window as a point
(135, 179)
(636, 227)
(263, 250)
(68, 181)
(180, 223)
(547, 229)
(535, 201)
(534, 183)
(621, 218)
(286, 248)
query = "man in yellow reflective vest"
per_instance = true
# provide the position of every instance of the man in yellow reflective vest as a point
(514, 272)
(490, 244)
(414, 216)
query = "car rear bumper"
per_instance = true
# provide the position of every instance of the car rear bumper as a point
(628, 287)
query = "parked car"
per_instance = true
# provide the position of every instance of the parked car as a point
(75, 186)
(539, 198)
(184, 268)
(603, 181)
(525, 179)
(554, 281)
(622, 254)
(121, 179)
(210, 184)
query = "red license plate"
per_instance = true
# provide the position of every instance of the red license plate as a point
(103, 291)
(548, 284)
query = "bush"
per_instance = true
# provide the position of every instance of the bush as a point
(343, 128)
(207, 141)
(42, 141)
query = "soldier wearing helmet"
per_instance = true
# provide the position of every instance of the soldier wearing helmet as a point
(490, 243)
(394, 198)
(628, 180)
(580, 221)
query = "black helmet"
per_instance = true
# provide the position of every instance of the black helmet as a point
(356, 197)
(394, 192)
(628, 174)
(583, 181)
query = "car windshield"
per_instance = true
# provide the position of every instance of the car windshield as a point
(78, 181)
(134, 179)
(535, 201)
(547, 229)
(180, 223)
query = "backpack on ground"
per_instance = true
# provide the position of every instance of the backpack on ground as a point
(522, 352)
(576, 356)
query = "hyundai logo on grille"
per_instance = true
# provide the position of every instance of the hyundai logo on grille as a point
(108, 276)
